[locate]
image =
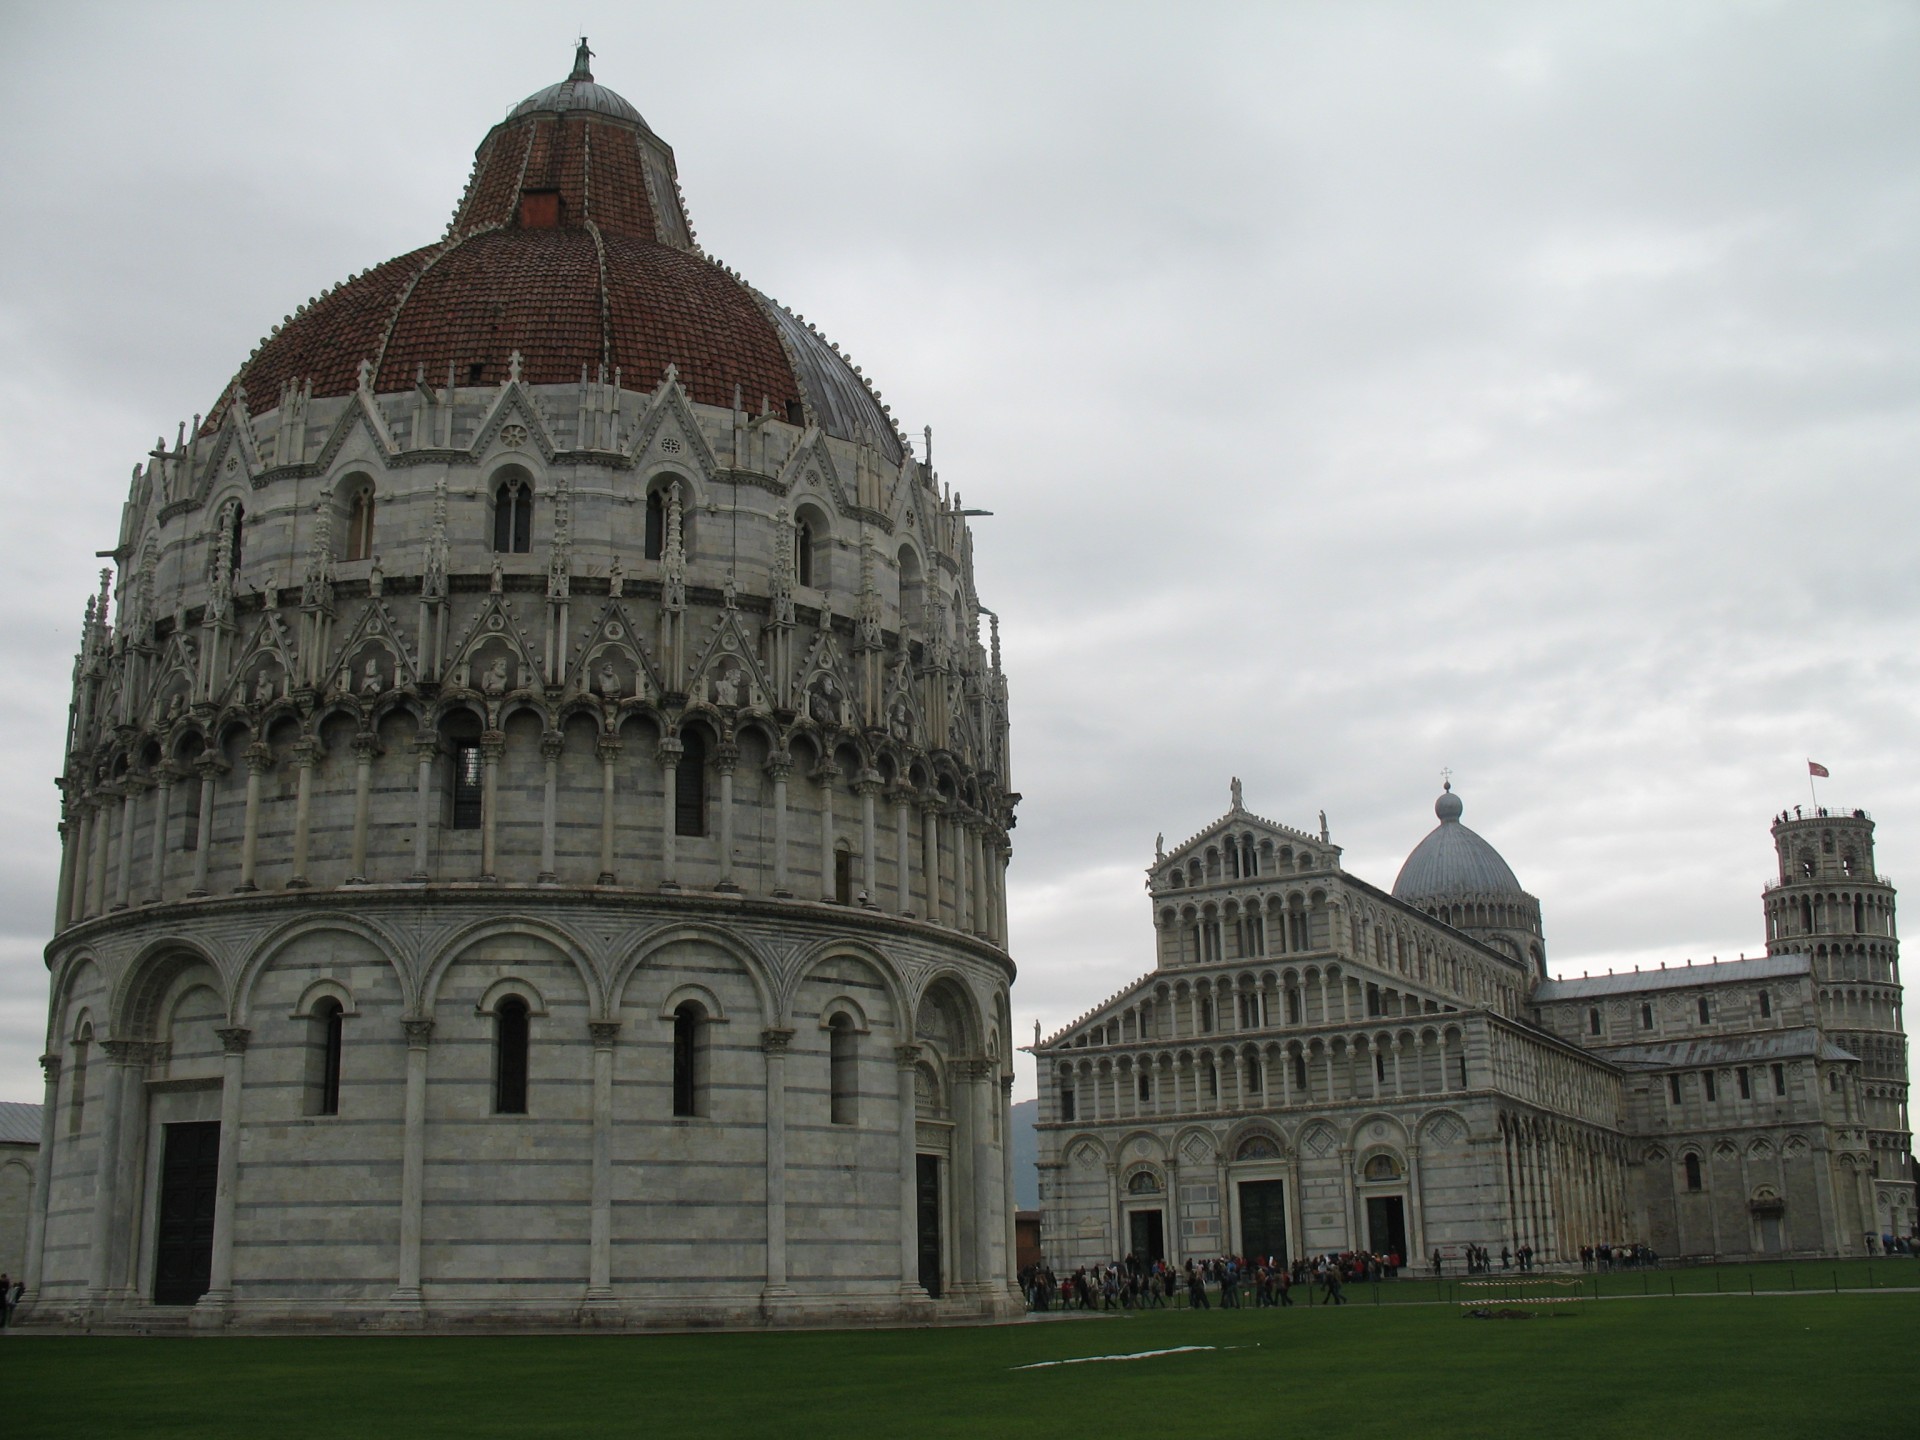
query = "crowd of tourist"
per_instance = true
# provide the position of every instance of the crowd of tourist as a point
(1233, 1281)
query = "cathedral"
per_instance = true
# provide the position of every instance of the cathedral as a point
(1317, 1065)
(535, 812)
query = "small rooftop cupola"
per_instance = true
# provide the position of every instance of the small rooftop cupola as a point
(1456, 876)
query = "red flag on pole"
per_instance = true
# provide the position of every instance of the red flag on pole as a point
(1814, 767)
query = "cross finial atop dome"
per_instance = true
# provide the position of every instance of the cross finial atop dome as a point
(581, 69)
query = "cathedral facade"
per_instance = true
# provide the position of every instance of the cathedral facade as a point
(1318, 1065)
(535, 813)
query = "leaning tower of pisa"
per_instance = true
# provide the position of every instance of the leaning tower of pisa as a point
(1831, 904)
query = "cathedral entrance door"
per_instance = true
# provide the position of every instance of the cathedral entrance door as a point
(1263, 1218)
(189, 1175)
(1387, 1225)
(927, 1202)
(1769, 1232)
(1146, 1236)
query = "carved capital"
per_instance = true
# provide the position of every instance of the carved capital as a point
(493, 744)
(607, 747)
(425, 747)
(1006, 1085)
(233, 1039)
(603, 1033)
(50, 1067)
(419, 1032)
(780, 767)
(669, 751)
(906, 1057)
(973, 1069)
(775, 1039)
(125, 1052)
(869, 783)
(210, 766)
(825, 773)
(306, 752)
(552, 742)
(259, 758)
(726, 755)
(366, 745)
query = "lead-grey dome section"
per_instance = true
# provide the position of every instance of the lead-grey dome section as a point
(1452, 860)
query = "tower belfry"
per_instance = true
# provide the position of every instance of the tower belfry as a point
(1829, 903)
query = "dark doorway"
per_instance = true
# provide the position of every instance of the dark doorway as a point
(189, 1175)
(927, 1193)
(1387, 1225)
(1263, 1219)
(1146, 1236)
(1769, 1232)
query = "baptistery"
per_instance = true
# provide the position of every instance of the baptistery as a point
(535, 812)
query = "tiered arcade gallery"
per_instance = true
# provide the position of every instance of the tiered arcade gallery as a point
(536, 813)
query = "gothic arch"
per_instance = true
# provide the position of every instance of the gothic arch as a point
(134, 1008)
(456, 945)
(269, 949)
(759, 974)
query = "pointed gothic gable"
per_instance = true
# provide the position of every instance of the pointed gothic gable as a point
(513, 405)
(727, 672)
(375, 641)
(493, 656)
(826, 683)
(173, 680)
(900, 703)
(614, 640)
(810, 465)
(360, 414)
(666, 421)
(267, 659)
(232, 457)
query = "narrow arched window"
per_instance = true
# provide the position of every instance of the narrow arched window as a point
(690, 785)
(77, 1084)
(511, 1029)
(327, 1030)
(689, 1059)
(843, 1070)
(513, 516)
(1256, 1075)
(1300, 1073)
(1766, 1005)
(1593, 1021)
(803, 552)
(236, 537)
(656, 540)
(1144, 1087)
(1706, 1010)
(360, 524)
(469, 785)
(1693, 1171)
(1646, 1017)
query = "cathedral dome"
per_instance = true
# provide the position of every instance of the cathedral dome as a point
(570, 253)
(1453, 860)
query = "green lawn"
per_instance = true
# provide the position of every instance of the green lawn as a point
(1795, 1365)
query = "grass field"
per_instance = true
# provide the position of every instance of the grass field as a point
(1732, 1366)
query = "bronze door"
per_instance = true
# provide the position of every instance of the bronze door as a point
(189, 1175)
(927, 1192)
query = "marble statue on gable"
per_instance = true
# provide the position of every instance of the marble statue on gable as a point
(264, 689)
(370, 681)
(606, 682)
(493, 681)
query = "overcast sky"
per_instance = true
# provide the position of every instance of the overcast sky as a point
(1358, 389)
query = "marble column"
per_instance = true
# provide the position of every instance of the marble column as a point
(42, 1180)
(600, 1230)
(985, 1172)
(607, 747)
(669, 754)
(930, 844)
(208, 766)
(1007, 1201)
(83, 845)
(122, 1057)
(725, 758)
(902, 850)
(779, 770)
(102, 850)
(962, 883)
(413, 1162)
(425, 749)
(774, 1042)
(552, 742)
(233, 1045)
(868, 788)
(63, 915)
(493, 746)
(259, 761)
(366, 746)
(824, 777)
(131, 790)
(906, 1060)
(306, 753)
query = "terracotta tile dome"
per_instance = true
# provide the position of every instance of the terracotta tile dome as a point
(571, 248)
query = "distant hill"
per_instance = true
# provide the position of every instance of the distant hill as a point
(1026, 1156)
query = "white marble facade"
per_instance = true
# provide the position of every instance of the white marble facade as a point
(1318, 1065)
(549, 834)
